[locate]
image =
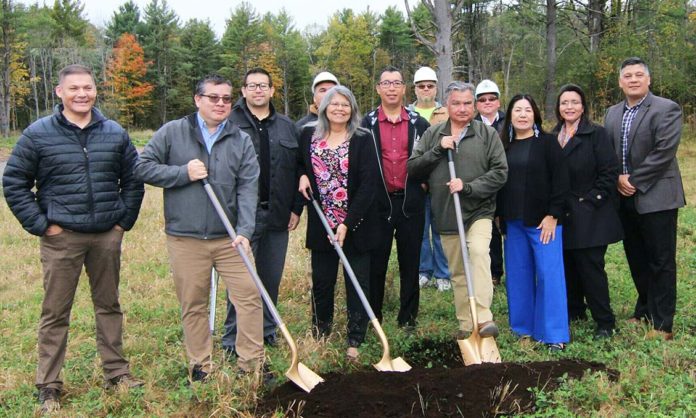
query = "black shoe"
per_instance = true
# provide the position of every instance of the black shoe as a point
(270, 340)
(604, 333)
(198, 375)
(49, 400)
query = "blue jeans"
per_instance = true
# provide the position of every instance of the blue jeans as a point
(536, 286)
(433, 262)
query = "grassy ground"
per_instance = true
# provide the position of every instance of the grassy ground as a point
(657, 378)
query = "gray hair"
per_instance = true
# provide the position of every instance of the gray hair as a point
(457, 86)
(323, 124)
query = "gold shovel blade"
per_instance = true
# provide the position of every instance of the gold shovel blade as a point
(303, 377)
(489, 350)
(470, 351)
(477, 350)
(392, 365)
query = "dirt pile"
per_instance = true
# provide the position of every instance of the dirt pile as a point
(474, 391)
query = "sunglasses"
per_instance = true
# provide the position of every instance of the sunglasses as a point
(425, 86)
(486, 99)
(214, 98)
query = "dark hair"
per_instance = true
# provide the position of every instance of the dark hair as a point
(214, 79)
(258, 70)
(74, 69)
(574, 88)
(634, 61)
(508, 133)
(390, 69)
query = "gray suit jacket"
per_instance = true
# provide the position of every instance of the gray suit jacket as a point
(652, 152)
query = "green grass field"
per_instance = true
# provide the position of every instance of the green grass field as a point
(657, 378)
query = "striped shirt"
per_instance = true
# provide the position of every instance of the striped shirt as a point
(628, 116)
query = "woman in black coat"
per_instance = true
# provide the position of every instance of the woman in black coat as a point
(591, 220)
(339, 169)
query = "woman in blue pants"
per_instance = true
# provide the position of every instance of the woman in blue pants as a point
(531, 205)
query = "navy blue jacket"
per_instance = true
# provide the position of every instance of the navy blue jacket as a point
(83, 177)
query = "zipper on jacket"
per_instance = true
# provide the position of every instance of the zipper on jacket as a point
(83, 142)
(379, 164)
(403, 205)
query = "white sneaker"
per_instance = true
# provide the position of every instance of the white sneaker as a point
(443, 285)
(424, 281)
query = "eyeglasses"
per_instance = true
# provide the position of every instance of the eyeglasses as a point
(486, 99)
(214, 98)
(340, 104)
(425, 86)
(254, 86)
(387, 83)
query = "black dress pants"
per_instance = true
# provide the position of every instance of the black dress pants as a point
(324, 274)
(409, 235)
(650, 244)
(586, 281)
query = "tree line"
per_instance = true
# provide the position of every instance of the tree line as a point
(147, 61)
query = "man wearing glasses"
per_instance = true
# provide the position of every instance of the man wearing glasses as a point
(275, 141)
(487, 106)
(401, 202)
(179, 155)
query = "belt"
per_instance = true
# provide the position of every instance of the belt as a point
(398, 193)
(264, 205)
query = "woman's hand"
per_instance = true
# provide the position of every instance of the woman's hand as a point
(548, 229)
(341, 232)
(305, 187)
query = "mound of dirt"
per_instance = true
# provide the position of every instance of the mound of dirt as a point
(473, 391)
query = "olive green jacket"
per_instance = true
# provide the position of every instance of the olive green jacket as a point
(479, 161)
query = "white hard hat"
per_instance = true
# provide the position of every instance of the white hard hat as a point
(322, 77)
(424, 74)
(487, 87)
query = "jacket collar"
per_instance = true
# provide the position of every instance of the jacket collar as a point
(241, 106)
(97, 117)
(412, 116)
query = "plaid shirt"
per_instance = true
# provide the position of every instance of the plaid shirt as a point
(628, 117)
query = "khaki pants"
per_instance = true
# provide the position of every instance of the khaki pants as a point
(478, 239)
(192, 260)
(62, 257)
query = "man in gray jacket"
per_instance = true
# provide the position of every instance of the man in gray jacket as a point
(645, 130)
(182, 152)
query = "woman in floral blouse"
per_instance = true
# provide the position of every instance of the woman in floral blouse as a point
(339, 168)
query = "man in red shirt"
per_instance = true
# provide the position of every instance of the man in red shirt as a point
(401, 201)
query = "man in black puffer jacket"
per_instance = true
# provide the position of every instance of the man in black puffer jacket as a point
(86, 196)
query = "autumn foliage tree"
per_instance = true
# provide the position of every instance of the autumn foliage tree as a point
(127, 91)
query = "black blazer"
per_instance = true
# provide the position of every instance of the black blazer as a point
(546, 184)
(363, 173)
(591, 218)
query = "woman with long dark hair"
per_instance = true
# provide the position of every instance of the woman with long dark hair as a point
(339, 170)
(591, 220)
(531, 206)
